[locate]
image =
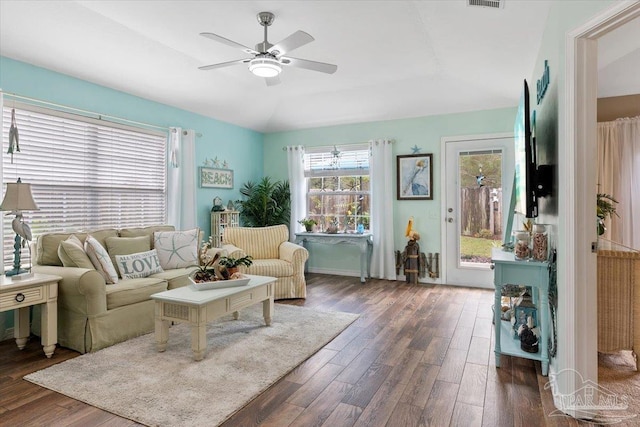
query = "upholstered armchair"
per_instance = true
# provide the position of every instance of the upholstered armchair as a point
(273, 255)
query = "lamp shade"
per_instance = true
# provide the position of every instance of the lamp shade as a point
(18, 198)
(265, 67)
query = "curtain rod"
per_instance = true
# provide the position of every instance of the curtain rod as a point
(341, 145)
(99, 116)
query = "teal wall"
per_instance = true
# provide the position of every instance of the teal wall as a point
(240, 147)
(424, 132)
(563, 17)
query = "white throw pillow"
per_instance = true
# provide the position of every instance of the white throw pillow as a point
(100, 259)
(177, 249)
(141, 264)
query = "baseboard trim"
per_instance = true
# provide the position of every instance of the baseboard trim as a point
(350, 273)
(356, 273)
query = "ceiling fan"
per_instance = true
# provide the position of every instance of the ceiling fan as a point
(267, 58)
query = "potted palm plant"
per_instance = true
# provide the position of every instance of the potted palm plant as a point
(266, 203)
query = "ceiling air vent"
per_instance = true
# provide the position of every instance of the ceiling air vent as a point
(495, 4)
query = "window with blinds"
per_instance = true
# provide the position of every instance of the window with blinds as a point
(338, 190)
(84, 173)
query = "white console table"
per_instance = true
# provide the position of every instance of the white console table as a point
(363, 241)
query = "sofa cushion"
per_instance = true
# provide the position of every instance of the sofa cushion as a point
(259, 242)
(270, 267)
(126, 246)
(48, 243)
(71, 253)
(131, 291)
(177, 277)
(177, 249)
(100, 259)
(141, 264)
(145, 231)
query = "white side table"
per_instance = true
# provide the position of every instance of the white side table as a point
(20, 294)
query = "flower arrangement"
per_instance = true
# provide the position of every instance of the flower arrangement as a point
(332, 227)
(219, 266)
(207, 269)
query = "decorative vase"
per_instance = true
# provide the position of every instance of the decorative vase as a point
(521, 249)
(308, 228)
(540, 239)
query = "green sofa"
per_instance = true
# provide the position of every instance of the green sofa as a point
(91, 314)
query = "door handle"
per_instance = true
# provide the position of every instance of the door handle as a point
(449, 219)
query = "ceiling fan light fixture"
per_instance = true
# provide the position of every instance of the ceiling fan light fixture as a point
(265, 67)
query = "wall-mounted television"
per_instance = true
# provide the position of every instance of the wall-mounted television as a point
(525, 151)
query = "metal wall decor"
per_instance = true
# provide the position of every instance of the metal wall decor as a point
(216, 178)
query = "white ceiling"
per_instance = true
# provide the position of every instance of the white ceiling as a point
(619, 61)
(396, 59)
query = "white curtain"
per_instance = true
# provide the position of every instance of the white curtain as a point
(181, 179)
(1, 186)
(381, 173)
(295, 162)
(619, 176)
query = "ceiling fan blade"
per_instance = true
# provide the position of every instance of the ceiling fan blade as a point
(272, 81)
(223, 64)
(294, 41)
(228, 42)
(323, 67)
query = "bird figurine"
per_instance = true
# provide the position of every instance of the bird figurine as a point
(21, 228)
(14, 138)
(409, 227)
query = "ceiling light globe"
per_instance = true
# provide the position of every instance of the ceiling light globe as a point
(265, 67)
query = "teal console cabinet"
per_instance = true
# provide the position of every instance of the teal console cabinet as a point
(529, 273)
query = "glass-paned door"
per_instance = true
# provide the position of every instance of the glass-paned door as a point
(475, 207)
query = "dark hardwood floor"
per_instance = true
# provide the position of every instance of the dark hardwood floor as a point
(419, 355)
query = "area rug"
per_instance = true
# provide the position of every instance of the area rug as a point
(619, 376)
(244, 357)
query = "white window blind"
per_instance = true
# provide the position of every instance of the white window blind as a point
(84, 173)
(350, 160)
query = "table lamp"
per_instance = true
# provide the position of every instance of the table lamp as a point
(17, 199)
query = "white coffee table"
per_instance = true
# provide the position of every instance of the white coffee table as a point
(186, 305)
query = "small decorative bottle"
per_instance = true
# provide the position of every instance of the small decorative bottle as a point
(521, 247)
(540, 243)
